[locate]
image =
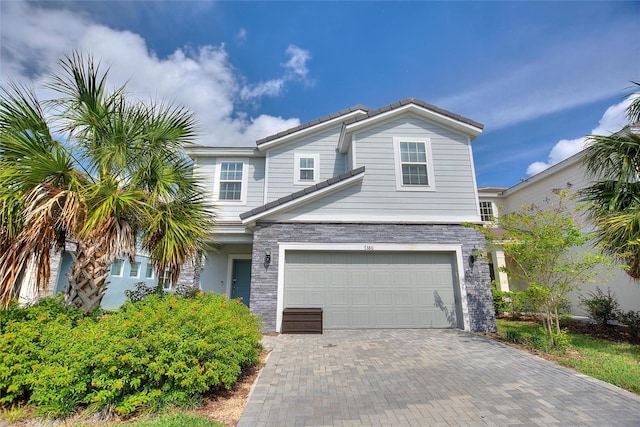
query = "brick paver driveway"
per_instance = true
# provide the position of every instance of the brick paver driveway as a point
(424, 378)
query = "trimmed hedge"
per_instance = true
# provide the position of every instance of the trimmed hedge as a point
(149, 354)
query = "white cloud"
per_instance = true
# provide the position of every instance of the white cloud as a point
(559, 77)
(203, 78)
(612, 120)
(295, 69)
(241, 37)
(296, 66)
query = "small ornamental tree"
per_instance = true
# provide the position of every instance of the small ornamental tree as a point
(548, 252)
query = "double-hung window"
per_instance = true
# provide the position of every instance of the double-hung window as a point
(231, 181)
(486, 211)
(116, 267)
(307, 169)
(135, 269)
(413, 164)
(149, 272)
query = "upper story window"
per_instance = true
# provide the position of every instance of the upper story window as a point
(486, 211)
(231, 181)
(116, 267)
(414, 170)
(307, 169)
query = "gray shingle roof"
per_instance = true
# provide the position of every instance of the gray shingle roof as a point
(298, 194)
(419, 103)
(311, 123)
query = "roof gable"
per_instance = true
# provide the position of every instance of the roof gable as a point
(305, 195)
(312, 126)
(417, 107)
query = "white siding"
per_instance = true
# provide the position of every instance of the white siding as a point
(281, 162)
(377, 198)
(535, 192)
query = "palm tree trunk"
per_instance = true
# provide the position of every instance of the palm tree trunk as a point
(87, 277)
(29, 293)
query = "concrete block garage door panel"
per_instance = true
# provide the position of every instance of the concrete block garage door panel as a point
(375, 289)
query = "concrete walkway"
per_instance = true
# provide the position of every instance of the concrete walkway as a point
(424, 378)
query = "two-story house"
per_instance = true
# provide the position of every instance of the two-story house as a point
(360, 213)
(569, 173)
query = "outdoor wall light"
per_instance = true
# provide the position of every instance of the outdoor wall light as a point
(473, 257)
(267, 257)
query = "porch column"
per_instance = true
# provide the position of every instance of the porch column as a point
(498, 264)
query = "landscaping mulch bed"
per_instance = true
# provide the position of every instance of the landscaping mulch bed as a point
(618, 333)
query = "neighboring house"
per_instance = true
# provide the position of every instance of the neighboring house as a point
(534, 190)
(361, 213)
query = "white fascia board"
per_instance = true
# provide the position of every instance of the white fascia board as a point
(473, 176)
(231, 234)
(344, 140)
(203, 151)
(558, 167)
(305, 199)
(306, 131)
(461, 127)
(283, 247)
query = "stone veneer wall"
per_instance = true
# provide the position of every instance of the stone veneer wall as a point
(264, 280)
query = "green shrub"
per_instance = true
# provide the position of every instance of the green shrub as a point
(632, 320)
(501, 301)
(600, 306)
(25, 334)
(141, 291)
(146, 355)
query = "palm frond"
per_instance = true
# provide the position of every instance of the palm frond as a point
(633, 110)
(176, 232)
(615, 157)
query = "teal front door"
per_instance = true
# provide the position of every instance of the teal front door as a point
(241, 280)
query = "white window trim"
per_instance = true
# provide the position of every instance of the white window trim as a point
(153, 272)
(137, 276)
(245, 180)
(316, 168)
(431, 186)
(120, 274)
(494, 211)
(165, 278)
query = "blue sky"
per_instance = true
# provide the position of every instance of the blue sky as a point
(538, 75)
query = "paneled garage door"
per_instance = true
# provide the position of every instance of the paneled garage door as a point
(375, 289)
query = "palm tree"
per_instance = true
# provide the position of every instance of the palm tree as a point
(118, 176)
(614, 162)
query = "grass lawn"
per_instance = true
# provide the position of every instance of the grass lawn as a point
(614, 362)
(173, 419)
(177, 419)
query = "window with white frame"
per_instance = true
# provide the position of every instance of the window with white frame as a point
(165, 280)
(307, 169)
(413, 164)
(149, 272)
(116, 267)
(486, 211)
(231, 174)
(135, 269)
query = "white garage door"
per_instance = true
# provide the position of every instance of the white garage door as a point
(375, 289)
